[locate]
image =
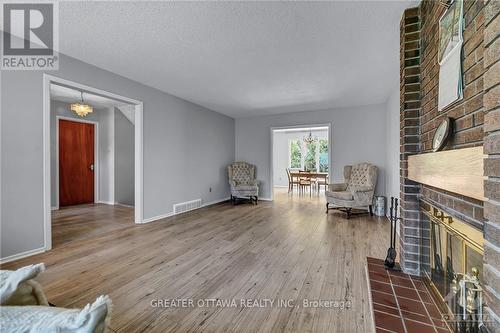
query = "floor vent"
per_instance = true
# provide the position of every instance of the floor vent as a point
(187, 206)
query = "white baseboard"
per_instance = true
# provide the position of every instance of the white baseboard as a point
(124, 205)
(163, 216)
(157, 217)
(266, 199)
(215, 202)
(280, 186)
(54, 208)
(106, 202)
(22, 255)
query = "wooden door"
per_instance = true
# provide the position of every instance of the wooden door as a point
(76, 163)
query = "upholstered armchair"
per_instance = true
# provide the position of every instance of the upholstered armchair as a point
(243, 182)
(356, 191)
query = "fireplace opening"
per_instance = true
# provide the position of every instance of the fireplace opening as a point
(451, 262)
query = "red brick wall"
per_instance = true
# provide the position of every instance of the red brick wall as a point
(410, 87)
(468, 113)
(477, 123)
(491, 106)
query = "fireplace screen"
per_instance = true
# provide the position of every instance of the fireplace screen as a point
(453, 268)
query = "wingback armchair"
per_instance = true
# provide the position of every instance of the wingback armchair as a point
(356, 191)
(243, 182)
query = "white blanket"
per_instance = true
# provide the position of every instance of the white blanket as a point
(24, 307)
(19, 288)
(93, 318)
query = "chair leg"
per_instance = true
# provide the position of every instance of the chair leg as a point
(348, 211)
(371, 210)
(327, 207)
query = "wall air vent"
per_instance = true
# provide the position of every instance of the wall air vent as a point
(187, 206)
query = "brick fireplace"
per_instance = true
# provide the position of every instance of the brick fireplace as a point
(476, 124)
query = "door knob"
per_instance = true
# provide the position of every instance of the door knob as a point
(92, 167)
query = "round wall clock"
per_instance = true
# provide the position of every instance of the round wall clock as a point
(441, 135)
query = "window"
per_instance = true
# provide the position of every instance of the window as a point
(313, 156)
(323, 155)
(310, 160)
(295, 154)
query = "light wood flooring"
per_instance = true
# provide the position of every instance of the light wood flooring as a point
(286, 249)
(85, 221)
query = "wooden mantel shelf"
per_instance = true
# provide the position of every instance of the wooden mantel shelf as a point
(459, 171)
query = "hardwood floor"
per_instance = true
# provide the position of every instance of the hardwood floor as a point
(84, 221)
(286, 249)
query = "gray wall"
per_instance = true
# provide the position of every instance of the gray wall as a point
(280, 153)
(180, 138)
(104, 117)
(124, 159)
(358, 135)
(392, 139)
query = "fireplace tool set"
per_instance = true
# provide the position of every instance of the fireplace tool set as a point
(390, 260)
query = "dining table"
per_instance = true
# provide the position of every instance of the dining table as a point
(295, 174)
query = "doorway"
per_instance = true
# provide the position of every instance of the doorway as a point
(302, 152)
(79, 161)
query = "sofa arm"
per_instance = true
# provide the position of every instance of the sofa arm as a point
(339, 187)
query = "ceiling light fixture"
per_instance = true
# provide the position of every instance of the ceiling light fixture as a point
(310, 138)
(81, 109)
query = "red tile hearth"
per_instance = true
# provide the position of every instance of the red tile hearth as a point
(401, 302)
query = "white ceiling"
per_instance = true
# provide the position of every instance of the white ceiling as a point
(244, 58)
(68, 95)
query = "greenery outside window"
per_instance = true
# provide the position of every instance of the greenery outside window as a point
(313, 156)
(323, 155)
(310, 160)
(295, 154)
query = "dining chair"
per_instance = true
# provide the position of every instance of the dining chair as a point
(305, 181)
(312, 178)
(322, 182)
(291, 181)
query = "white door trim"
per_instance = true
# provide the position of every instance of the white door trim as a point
(47, 80)
(96, 156)
(271, 132)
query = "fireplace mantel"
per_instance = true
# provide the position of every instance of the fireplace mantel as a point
(459, 171)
